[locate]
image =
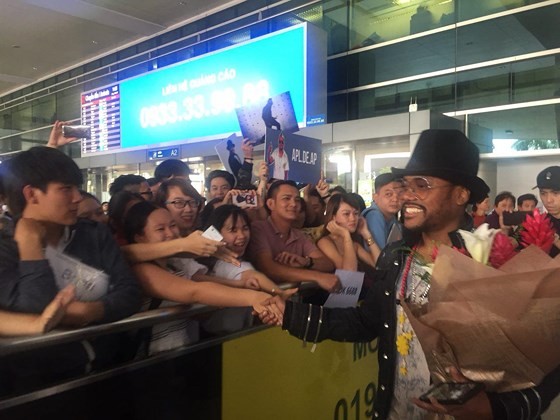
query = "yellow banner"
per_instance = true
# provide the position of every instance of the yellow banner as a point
(268, 375)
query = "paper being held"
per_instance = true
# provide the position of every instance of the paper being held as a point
(352, 282)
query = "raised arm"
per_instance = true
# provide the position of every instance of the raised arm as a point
(159, 283)
(56, 138)
(264, 283)
(195, 244)
(201, 277)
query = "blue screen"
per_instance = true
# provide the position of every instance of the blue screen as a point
(197, 98)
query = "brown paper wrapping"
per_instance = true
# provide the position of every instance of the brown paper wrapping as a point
(500, 327)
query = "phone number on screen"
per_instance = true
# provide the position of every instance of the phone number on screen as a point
(201, 106)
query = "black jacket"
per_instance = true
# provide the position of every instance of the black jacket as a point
(29, 286)
(376, 318)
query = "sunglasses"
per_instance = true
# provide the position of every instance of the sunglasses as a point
(419, 186)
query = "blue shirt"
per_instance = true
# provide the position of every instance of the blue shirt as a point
(378, 226)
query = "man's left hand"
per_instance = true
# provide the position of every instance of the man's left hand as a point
(478, 407)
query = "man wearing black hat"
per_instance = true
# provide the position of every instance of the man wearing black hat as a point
(548, 183)
(438, 182)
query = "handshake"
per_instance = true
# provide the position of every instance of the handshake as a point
(271, 311)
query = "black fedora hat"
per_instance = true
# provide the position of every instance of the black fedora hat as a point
(449, 155)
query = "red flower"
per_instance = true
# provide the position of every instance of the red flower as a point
(537, 230)
(435, 250)
(502, 250)
(462, 250)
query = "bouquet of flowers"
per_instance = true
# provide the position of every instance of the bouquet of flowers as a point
(498, 326)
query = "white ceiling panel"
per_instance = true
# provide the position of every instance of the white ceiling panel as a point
(39, 38)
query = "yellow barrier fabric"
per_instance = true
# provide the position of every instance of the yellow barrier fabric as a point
(268, 375)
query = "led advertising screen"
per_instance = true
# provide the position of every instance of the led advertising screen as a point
(197, 99)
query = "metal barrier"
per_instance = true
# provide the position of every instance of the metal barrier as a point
(13, 345)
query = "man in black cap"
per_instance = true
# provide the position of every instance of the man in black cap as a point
(548, 183)
(438, 182)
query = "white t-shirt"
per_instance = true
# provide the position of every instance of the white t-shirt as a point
(174, 334)
(229, 320)
(230, 271)
(415, 380)
(281, 164)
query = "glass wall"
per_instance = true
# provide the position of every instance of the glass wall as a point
(528, 32)
(500, 62)
(471, 9)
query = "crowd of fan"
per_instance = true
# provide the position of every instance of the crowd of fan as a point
(65, 261)
(148, 250)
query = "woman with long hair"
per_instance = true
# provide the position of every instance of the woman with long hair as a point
(343, 235)
(184, 204)
(165, 279)
(233, 224)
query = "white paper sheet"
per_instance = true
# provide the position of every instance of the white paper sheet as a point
(352, 282)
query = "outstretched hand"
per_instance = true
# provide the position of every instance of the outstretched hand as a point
(225, 254)
(201, 246)
(273, 313)
(478, 407)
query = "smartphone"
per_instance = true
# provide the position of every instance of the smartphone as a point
(79, 131)
(515, 218)
(453, 392)
(246, 199)
(213, 233)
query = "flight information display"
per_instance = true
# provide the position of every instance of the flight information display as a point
(101, 111)
(196, 100)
